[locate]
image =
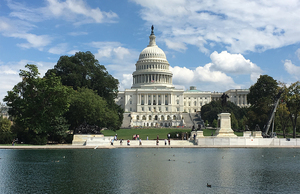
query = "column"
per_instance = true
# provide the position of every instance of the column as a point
(163, 99)
(246, 103)
(156, 100)
(146, 99)
(151, 100)
(169, 101)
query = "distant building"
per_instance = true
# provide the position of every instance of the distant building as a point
(153, 101)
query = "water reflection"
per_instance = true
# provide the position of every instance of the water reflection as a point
(151, 170)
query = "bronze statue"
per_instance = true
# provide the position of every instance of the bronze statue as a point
(224, 100)
(152, 30)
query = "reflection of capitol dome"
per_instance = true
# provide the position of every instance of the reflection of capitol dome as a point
(152, 68)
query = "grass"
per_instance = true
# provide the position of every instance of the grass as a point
(153, 132)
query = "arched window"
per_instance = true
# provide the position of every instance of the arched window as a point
(174, 117)
(150, 118)
(144, 117)
(138, 117)
(168, 117)
(155, 117)
(162, 117)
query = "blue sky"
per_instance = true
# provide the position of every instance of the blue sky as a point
(214, 45)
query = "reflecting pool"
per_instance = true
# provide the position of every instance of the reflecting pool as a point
(151, 170)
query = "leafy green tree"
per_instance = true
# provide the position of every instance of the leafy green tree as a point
(261, 97)
(282, 118)
(83, 70)
(88, 107)
(292, 98)
(234, 122)
(211, 110)
(36, 104)
(215, 123)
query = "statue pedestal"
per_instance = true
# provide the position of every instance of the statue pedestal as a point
(257, 134)
(199, 134)
(224, 127)
(247, 134)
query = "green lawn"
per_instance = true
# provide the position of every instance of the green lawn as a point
(152, 133)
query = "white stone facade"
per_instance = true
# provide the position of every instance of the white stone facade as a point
(154, 101)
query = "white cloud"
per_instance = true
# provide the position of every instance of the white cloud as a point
(234, 64)
(79, 11)
(239, 27)
(292, 69)
(59, 49)
(78, 33)
(202, 77)
(298, 53)
(119, 61)
(9, 73)
(125, 82)
(34, 41)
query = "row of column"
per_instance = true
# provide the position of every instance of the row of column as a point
(241, 99)
(159, 66)
(152, 78)
(163, 99)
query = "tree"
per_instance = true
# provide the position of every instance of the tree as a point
(87, 107)
(292, 99)
(211, 110)
(234, 122)
(83, 70)
(36, 104)
(6, 135)
(261, 97)
(282, 115)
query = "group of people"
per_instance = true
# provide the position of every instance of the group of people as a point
(137, 137)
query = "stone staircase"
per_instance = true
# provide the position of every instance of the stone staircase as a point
(126, 120)
(187, 120)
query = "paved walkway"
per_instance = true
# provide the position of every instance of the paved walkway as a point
(134, 146)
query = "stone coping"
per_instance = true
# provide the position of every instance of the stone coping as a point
(143, 146)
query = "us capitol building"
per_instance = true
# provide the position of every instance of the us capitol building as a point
(153, 101)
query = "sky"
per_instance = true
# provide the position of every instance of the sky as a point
(215, 45)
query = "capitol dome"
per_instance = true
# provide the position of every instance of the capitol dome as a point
(152, 68)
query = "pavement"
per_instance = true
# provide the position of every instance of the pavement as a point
(69, 146)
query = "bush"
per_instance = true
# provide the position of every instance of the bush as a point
(6, 137)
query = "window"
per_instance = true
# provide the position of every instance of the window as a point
(149, 108)
(130, 102)
(162, 117)
(144, 117)
(195, 103)
(149, 102)
(166, 96)
(189, 104)
(159, 109)
(174, 117)
(142, 95)
(166, 108)
(137, 117)
(153, 96)
(149, 96)
(150, 118)
(130, 95)
(130, 109)
(158, 95)
(142, 102)
(177, 109)
(177, 101)
(143, 109)
(178, 96)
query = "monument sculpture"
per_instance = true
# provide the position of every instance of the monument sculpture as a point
(224, 121)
